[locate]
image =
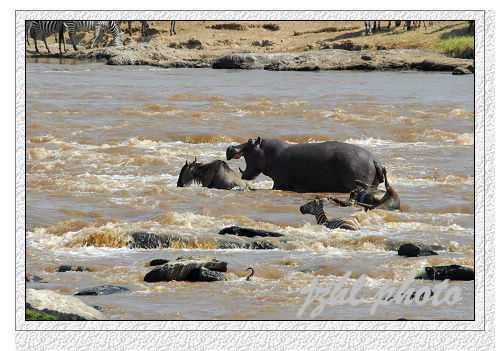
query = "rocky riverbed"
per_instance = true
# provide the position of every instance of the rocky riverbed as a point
(327, 59)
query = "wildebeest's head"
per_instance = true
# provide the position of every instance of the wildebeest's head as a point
(253, 153)
(312, 206)
(187, 174)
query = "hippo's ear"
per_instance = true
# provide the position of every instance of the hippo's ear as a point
(186, 162)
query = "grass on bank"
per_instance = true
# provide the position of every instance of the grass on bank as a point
(36, 316)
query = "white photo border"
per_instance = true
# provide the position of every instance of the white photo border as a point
(267, 333)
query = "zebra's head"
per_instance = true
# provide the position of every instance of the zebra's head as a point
(187, 175)
(312, 206)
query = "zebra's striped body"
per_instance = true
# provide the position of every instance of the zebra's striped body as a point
(74, 26)
(47, 27)
(315, 208)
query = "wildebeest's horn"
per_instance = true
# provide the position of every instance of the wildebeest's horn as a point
(240, 170)
(186, 162)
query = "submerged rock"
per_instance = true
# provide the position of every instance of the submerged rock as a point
(248, 232)
(451, 272)
(143, 240)
(205, 275)
(187, 268)
(157, 262)
(262, 245)
(68, 268)
(63, 307)
(412, 250)
(103, 290)
(460, 71)
(147, 240)
(33, 279)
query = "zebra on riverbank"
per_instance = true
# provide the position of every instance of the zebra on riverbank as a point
(315, 207)
(47, 27)
(112, 26)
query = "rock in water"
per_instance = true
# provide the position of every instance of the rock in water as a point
(409, 250)
(248, 232)
(205, 275)
(183, 267)
(143, 240)
(63, 307)
(68, 268)
(412, 250)
(103, 290)
(452, 272)
(157, 262)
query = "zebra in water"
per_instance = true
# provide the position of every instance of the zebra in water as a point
(315, 207)
(96, 26)
(47, 27)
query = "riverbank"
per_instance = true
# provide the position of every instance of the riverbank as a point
(290, 45)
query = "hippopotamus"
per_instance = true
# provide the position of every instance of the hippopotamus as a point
(330, 166)
(370, 197)
(216, 174)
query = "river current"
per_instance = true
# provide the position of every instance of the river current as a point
(105, 145)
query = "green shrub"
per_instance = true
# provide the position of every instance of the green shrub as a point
(37, 316)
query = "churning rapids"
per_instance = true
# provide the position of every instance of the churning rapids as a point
(105, 145)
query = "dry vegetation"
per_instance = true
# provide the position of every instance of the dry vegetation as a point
(449, 37)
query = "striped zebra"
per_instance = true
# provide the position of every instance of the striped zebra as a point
(48, 27)
(74, 26)
(315, 207)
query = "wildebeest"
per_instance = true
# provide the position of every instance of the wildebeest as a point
(216, 174)
(369, 197)
(315, 207)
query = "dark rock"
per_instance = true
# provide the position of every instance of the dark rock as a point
(368, 57)
(394, 245)
(68, 268)
(103, 290)
(380, 47)
(235, 61)
(409, 250)
(460, 70)
(157, 262)
(451, 272)
(146, 240)
(205, 275)
(248, 232)
(229, 244)
(262, 245)
(428, 253)
(99, 308)
(279, 66)
(33, 279)
(181, 268)
(143, 240)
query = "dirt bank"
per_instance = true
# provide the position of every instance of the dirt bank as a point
(277, 45)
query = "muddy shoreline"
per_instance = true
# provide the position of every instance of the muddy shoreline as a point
(327, 59)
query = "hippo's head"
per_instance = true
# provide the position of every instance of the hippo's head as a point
(187, 174)
(254, 156)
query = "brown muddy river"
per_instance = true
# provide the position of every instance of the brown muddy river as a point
(105, 145)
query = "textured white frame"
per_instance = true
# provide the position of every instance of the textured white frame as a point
(360, 335)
